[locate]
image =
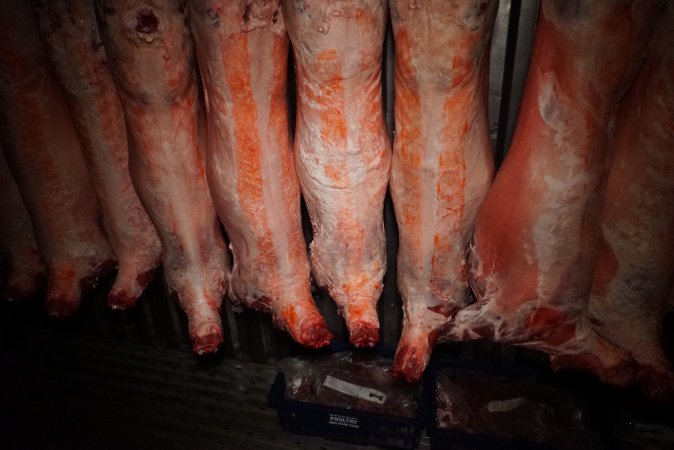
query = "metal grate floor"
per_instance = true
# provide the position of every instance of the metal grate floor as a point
(66, 392)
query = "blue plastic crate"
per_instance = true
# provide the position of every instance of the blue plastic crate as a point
(342, 424)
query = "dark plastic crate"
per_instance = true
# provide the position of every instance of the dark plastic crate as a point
(447, 439)
(342, 424)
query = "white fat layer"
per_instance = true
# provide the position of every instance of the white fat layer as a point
(431, 31)
(223, 173)
(432, 133)
(557, 231)
(186, 228)
(351, 47)
(260, 47)
(161, 119)
(638, 219)
(81, 68)
(345, 210)
(639, 233)
(247, 223)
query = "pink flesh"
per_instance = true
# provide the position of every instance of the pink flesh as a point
(243, 54)
(77, 55)
(342, 151)
(150, 50)
(442, 161)
(635, 266)
(44, 154)
(24, 270)
(536, 232)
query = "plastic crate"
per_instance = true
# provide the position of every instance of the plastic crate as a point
(342, 424)
(448, 439)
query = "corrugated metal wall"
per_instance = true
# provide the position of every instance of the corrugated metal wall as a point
(249, 335)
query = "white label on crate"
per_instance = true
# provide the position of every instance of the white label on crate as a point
(505, 405)
(344, 421)
(371, 395)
